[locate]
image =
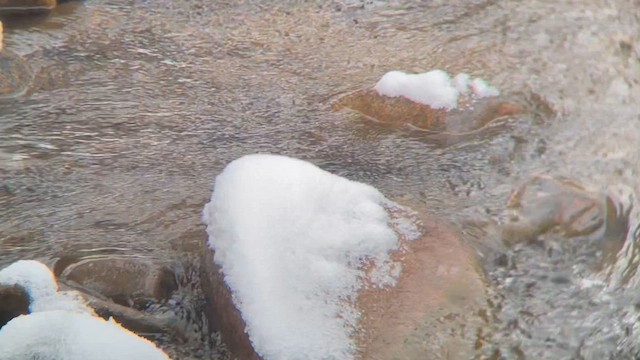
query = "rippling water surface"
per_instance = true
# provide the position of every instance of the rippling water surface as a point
(137, 105)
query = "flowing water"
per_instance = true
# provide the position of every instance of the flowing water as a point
(136, 105)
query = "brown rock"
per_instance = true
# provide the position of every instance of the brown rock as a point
(469, 117)
(129, 282)
(26, 6)
(423, 317)
(547, 206)
(14, 301)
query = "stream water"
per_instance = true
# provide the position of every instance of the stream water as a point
(136, 105)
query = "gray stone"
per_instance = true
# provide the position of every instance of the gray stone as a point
(549, 209)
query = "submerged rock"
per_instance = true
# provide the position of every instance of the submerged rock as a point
(559, 207)
(26, 6)
(276, 269)
(400, 111)
(15, 73)
(126, 281)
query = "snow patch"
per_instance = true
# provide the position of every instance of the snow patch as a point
(482, 89)
(59, 334)
(434, 88)
(293, 241)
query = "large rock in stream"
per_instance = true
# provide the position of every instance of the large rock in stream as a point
(15, 72)
(301, 263)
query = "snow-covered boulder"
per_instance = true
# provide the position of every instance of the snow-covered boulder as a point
(60, 325)
(304, 264)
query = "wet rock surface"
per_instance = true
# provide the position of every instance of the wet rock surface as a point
(546, 209)
(14, 301)
(128, 282)
(471, 116)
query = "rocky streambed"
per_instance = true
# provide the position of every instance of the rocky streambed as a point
(116, 117)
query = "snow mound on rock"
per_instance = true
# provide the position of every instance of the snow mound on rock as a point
(295, 243)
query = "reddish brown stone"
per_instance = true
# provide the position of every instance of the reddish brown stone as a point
(470, 116)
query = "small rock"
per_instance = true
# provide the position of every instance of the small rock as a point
(14, 301)
(559, 206)
(128, 282)
(15, 75)
(469, 117)
(132, 319)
